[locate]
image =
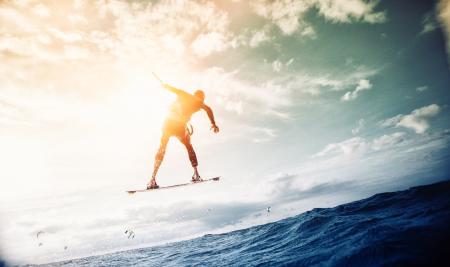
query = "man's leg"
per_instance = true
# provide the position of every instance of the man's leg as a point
(192, 157)
(158, 160)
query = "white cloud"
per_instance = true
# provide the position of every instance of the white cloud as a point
(363, 84)
(77, 4)
(235, 94)
(317, 84)
(290, 61)
(289, 15)
(262, 134)
(416, 120)
(68, 37)
(284, 14)
(359, 146)
(129, 29)
(76, 53)
(391, 121)
(236, 106)
(347, 147)
(277, 65)
(176, 44)
(259, 36)
(387, 140)
(346, 11)
(429, 22)
(359, 127)
(77, 19)
(308, 31)
(206, 44)
(422, 88)
(41, 10)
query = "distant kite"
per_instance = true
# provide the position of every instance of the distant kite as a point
(130, 233)
(39, 233)
(37, 237)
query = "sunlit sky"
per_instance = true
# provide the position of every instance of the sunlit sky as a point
(319, 102)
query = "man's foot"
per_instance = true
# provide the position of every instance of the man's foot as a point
(196, 178)
(152, 184)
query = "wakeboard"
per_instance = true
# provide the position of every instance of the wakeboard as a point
(173, 186)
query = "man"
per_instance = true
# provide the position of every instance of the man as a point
(176, 125)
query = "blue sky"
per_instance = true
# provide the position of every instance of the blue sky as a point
(319, 103)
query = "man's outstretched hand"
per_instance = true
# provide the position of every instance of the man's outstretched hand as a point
(215, 128)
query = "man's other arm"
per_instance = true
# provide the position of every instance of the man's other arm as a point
(211, 118)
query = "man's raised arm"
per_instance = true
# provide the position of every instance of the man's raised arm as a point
(211, 118)
(172, 89)
(166, 86)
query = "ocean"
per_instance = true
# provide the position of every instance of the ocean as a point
(404, 228)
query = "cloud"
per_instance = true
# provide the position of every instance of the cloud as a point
(289, 15)
(346, 11)
(285, 188)
(308, 31)
(318, 84)
(67, 37)
(387, 140)
(385, 157)
(363, 84)
(391, 159)
(77, 19)
(236, 106)
(277, 65)
(91, 52)
(284, 14)
(347, 147)
(422, 88)
(132, 28)
(290, 61)
(11, 113)
(206, 44)
(265, 95)
(259, 36)
(416, 120)
(41, 10)
(263, 134)
(429, 22)
(358, 145)
(359, 127)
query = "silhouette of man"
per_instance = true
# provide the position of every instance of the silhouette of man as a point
(175, 124)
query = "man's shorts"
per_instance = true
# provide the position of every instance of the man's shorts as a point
(176, 128)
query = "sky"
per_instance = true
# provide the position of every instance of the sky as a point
(319, 102)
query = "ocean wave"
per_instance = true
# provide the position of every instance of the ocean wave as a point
(405, 228)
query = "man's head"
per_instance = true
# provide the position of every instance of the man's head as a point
(200, 95)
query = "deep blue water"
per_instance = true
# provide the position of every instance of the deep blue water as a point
(405, 228)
